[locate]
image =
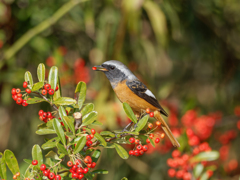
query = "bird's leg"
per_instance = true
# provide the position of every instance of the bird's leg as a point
(125, 129)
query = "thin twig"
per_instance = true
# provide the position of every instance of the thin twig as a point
(46, 99)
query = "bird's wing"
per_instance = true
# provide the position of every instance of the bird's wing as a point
(143, 92)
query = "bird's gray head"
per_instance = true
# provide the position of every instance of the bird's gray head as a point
(115, 71)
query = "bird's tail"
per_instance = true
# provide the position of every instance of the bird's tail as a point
(166, 129)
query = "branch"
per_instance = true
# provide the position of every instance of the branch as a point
(46, 99)
(10, 52)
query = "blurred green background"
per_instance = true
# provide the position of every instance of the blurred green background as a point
(186, 52)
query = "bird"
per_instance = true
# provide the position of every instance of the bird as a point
(131, 90)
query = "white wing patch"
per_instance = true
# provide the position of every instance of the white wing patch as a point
(149, 93)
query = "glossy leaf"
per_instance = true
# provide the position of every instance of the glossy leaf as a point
(100, 138)
(70, 123)
(62, 149)
(59, 130)
(80, 145)
(45, 131)
(151, 141)
(65, 101)
(41, 72)
(87, 109)
(95, 156)
(129, 112)
(35, 100)
(37, 86)
(28, 171)
(58, 93)
(53, 155)
(97, 123)
(198, 169)
(51, 143)
(3, 169)
(53, 77)
(121, 151)
(82, 89)
(204, 176)
(11, 162)
(28, 79)
(62, 113)
(37, 155)
(89, 118)
(142, 123)
(107, 133)
(29, 161)
(70, 135)
(205, 156)
(100, 171)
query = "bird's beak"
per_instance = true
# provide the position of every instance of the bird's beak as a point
(99, 68)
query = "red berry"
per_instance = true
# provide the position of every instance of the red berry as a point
(49, 114)
(79, 170)
(145, 148)
(136, 153)
(89, 165)
(92, 136)
(78, 161)
(43, 167)
(74, 167)
(34, 162)
(46, 172)
(171, 172)
(137, 141)
(151, 114)
(28, 91)
(148, 110)
(14, 97)
(88, 137)
(131, 140)
(56, 88)
(80, 176)
(131, 153)
(13, 91)
(74, 175)
(141, 152)
(89, 143)
(69, 163)
(19, 95)
(44, 115)
(157, 140)
(58, 177)
(19, 100)
(18, 90)
(238, 124)
(93, 131)
(151, 135)
(147, 141)
(44, 92)
(85, 170)
(93, 165)
(51, 175)
(47, 86)
(94, 68)
(162, 135)
(24, 103)
(158, 123)
(25, 84)
(88, 160)
(176, 153)
(150, 125)
(14, 177)
(40, 113)
(139, 147)
(51, 92)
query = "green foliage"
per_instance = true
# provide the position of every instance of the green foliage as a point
(37, 154)
(11, 162)
(3, 169)
(129, 112)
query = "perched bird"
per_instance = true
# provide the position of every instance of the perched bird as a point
(131, 90)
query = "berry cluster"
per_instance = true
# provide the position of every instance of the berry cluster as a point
(45, 116)
(16, 175)
(181, 164)
(47, 90)
(89, 137)
(148, 111)
(18, 97)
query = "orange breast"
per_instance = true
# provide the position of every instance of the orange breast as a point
(138, 104)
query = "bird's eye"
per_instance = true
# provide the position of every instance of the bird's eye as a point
(112, 67)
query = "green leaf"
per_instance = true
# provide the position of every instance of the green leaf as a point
(58, 93)
(62, 149)
(28, 79)
(35, 100)
(70, 135)
(29, 161)
(65, 101)
(37, 155)
(205, 156)
(124, 178)
(87, 109)
(129, 112)
(51, 143)
(151, 141)
(82, 89)
(28, 172)
(3, 169)
(141, 124)
(59, 130)
(53, 155)
(97, 123)
(11, 162)
(80, 145)
(70, 123)
(62, 113)
(41, 72)
(53, 77)
(45, 131)
(89, 118)
(100, 138)
(204, 176)
(107, 133)
(37, 86)
(100, 171)
(126, 132)
(198, 169)
(121, 151)
(96, 155)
